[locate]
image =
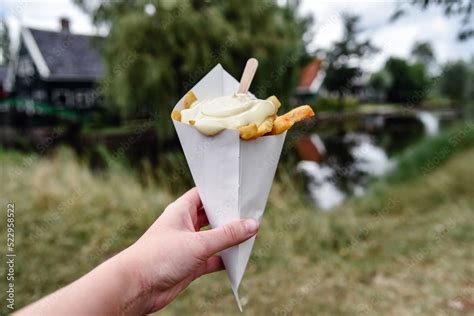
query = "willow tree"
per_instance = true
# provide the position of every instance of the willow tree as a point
(158, 49)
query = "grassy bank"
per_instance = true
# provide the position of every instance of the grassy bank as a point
(431, 152)
(405, 250)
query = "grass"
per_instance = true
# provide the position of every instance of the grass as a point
(429, 153)
(404, 249)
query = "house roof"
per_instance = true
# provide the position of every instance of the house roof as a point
(65, 56)
(311, 76)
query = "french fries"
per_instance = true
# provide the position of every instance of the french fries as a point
(176, 115)
(281, 124)
(272, 125)
(266, 126)
(248, 131)
(253, 131)
(273, 99)
(189, 99)
(287, 120)
(300, 113)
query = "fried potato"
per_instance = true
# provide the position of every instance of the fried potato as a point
(281, 124)
(176, 115)
(248, 131)
(251, 131)
(273, 99)
(189, 99)
(300, 113)
(266, 126)
(287, 120)
(272, 125)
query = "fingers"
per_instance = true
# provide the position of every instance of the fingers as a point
(228, 235)
(191, 198)
(201, 220)
(180, 211)
(213, 264)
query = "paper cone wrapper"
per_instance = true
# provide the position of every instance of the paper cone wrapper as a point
(233, 176)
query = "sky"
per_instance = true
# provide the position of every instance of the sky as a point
(393, 39)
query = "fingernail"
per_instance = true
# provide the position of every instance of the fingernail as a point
(251, 225)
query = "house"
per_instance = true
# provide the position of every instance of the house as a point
(56, 72)
(311, 79)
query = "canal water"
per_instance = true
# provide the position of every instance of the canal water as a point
(351, 159)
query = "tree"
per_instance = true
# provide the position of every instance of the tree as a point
(379, 83)
(409, 81)
(157, 50)
(5, 43)
(452, 8)
(422, 53)
(455, 81)
(344, 59)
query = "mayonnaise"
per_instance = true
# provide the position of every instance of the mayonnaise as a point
(232, 112)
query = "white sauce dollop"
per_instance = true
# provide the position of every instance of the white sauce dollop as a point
(232, 112)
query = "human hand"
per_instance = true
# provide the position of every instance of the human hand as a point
(173, 252)
(154, 270)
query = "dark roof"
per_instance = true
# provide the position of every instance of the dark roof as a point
(70, 56)
(3, 73)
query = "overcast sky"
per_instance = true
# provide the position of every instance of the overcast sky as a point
(394, 39)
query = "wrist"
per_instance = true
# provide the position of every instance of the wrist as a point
(136, 291)
(131, 290)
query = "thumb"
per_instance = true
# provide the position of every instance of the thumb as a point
(228, 235)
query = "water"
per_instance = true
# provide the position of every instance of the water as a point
(369, 158)
(332, 181)
(430, 122)
(325, 194)
(350, 160)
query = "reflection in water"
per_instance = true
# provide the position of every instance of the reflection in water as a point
(430, 122)
(322, 190)
(369, 158)
(329, 183)
(349, 160)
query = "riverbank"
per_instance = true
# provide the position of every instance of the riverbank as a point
(405, 248)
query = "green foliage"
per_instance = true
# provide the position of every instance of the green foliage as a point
(332, 104)
(456, 81)
(436, 102)
(389, 250)
(409, 81)
(341, 72)
(423, 53)
(153, 59)
(459, 9)
(379, 83)
(4, 44)
(326, 104)
(380, 80)
(430, 153)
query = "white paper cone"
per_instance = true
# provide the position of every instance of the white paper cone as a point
(233, 176)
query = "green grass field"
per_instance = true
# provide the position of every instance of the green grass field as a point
(405, 249)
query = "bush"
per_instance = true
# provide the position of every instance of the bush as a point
(455, 81)
(331, 104)
(437, 102)
(409, 81)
